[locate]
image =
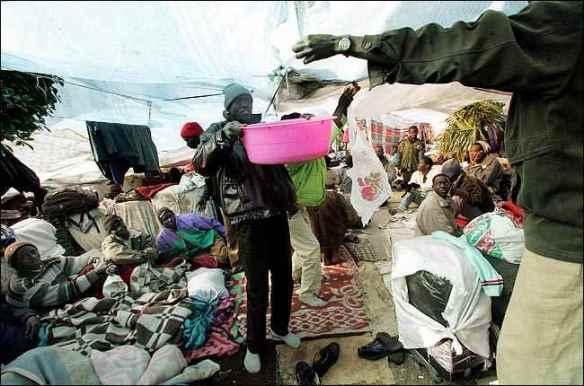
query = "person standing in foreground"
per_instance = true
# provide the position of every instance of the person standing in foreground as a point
(255, 199)
(537, 55)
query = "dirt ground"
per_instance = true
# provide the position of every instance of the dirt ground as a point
(351, 369)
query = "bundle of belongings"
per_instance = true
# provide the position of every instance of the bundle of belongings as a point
(59, 208)
(451, 293)
(162, 308)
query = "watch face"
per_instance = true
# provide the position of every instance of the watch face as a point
(344, 44)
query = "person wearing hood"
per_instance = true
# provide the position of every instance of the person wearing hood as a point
(43, 284)
(189, 234)
(255, 200)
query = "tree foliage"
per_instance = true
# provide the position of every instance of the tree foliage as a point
(26, 99)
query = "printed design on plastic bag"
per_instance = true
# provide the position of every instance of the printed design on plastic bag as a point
(370, 186)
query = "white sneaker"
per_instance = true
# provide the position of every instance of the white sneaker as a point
(252, 363)
(312, 300)
(290, 339)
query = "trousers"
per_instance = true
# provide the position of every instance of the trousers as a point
(541, 337)
(264, 248)
(416, 196)
(306, 257)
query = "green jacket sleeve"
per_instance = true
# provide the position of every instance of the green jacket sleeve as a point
(496, 51)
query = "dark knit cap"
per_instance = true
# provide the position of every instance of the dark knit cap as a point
(232, 91)
(451, 168)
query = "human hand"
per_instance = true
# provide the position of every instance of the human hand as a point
(505, 165)
(151, 252)
(232, 130)
(31, 328)
(316, 47)
(104, 267)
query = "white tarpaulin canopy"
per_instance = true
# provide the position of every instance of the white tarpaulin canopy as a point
(128, 62)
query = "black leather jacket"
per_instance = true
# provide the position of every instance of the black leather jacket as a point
(242, 187)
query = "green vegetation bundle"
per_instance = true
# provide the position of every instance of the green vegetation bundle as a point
(468, 125)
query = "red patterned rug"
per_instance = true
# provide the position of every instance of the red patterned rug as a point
(343, 314)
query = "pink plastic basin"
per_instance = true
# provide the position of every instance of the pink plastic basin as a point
(293, 140)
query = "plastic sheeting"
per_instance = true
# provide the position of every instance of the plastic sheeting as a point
(155, 51)
(124, 61)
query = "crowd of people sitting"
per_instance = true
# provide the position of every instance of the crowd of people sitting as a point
(444, 189)
(247, 224)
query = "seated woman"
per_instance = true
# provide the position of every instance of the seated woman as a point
(485, 166)
(122, 246)
(49, 283)
(331, 221)
(436, 212)
(189, 234)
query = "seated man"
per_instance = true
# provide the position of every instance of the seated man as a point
(48, 283)
(420, 184)
(189, 234)
(470, 196)
(18, 326)
(436, 212)
(122, 246)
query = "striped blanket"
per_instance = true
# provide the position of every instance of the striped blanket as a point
(149, 322)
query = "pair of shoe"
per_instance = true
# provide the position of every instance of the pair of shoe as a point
(383, 346)
(312, 300)
(252, 362)
(321, 363)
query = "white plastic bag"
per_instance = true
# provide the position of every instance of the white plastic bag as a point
(370, 186)
(114, 286)
(494, 234)
(206, 283)
(40, 233)
(468, 310)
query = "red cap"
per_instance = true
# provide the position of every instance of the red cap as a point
(190, 130)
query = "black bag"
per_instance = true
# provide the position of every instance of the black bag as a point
(68, 202)
(429, 294)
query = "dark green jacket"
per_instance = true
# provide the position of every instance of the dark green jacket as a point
(537, 55)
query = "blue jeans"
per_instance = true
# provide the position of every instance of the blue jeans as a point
(416, 196)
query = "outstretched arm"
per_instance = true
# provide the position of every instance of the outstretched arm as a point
(508, 53)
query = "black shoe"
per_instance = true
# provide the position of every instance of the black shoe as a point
(382, 345)
(325, 359)
(305, 375)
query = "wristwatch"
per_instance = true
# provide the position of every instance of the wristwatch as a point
(344, 44)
